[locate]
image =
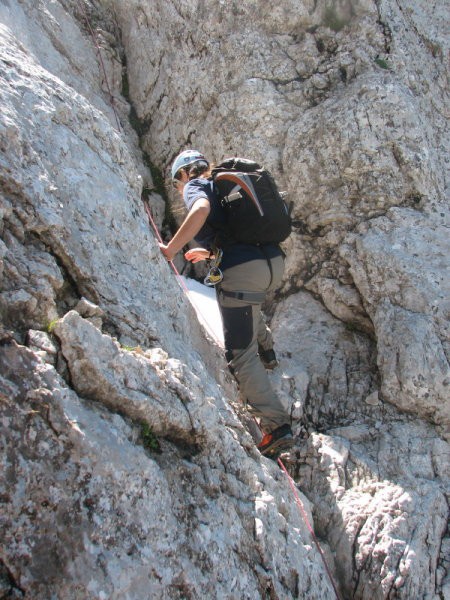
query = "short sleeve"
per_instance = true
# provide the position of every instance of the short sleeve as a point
(195, 190)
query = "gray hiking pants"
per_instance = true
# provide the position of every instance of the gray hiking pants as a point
(244, 328)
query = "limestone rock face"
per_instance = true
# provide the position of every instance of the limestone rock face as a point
(408, 251)
(126, 469)
(97, 507)
(382, 498)
(327, 369)
(63, 240)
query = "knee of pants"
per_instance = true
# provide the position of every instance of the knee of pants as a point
(237, 327)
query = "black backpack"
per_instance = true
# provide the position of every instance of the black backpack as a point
(255, 212)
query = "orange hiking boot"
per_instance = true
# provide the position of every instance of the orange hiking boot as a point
(277, 441)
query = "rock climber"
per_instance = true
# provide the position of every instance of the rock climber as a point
(249, 271)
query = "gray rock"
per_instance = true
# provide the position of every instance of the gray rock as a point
(381, 497)
(41, 343)
(398, 263)
(93, 509)
(347, 104)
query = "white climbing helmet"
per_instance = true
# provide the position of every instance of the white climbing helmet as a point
(186, 158)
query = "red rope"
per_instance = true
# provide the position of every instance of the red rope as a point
(152, 222)
(290, 480)
(158, 235)
(177, 274)
(185, 289)
(310, 529)
(111, 97)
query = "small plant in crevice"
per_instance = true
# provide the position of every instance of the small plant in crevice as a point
(157, 176)
(51, 325)
(149, 439)
(382, 63)
(128, 348)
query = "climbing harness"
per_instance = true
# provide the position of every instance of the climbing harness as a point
(249, 297)
(215, 275)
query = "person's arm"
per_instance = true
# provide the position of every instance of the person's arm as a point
(189, 228)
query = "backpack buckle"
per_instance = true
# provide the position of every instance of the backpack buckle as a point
(232, 197)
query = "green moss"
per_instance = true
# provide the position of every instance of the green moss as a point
(51, 325)
(382, 63)
(435, 49)
(149, 439)
(125, 84)
(139, 125)
(128, 348)
(157, 176)
(351, 327)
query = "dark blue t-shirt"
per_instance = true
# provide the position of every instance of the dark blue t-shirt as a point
(234, 253)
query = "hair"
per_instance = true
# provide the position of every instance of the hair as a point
(193, 171)
(198, 169)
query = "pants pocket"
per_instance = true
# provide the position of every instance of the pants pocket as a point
(237, 327)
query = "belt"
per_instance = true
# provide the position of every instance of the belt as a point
(251, 297)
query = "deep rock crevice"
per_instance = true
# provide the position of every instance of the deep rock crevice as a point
(350, 139)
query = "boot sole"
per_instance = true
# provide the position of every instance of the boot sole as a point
(278, 446)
